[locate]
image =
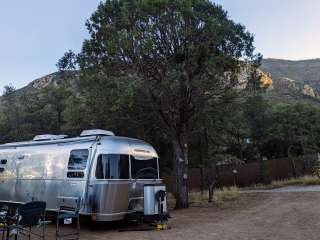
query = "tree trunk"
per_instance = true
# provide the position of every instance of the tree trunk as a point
(59, 119)
(210, 188)
(201, 166)
(201, 180)
(293, 166)
(180, 150)
(261, 170)
(292, 160)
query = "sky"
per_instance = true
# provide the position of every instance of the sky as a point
(285, 29)
(34, 34)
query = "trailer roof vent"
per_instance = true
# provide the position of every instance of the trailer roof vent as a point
(46, 137)
(94, 132)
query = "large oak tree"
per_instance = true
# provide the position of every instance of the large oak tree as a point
(179, 57)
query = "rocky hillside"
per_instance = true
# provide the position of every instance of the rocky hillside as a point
(304, 71)
(284, 80)
(45, 81)
(293, 80)
(39, 83)
(303, 76)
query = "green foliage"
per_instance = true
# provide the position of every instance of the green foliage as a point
(27, 113)
(68, 61)
(297, 127)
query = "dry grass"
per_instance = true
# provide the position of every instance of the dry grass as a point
(304, 181)
(170, 200)
(225, 194)
(231, 193)
(219, 196)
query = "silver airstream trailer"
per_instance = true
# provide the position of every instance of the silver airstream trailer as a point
(107, 172)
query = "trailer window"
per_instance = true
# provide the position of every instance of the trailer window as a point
(78, 159)
(144, 168)
(112, 166)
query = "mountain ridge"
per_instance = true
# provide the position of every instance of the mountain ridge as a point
(284, 80)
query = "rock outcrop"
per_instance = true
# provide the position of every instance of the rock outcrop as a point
(43, 81)
(308, 90)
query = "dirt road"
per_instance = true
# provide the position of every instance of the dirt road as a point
(254, 216)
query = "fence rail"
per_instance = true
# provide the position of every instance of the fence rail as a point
(249, 173)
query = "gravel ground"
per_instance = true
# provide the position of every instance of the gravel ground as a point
(255, 216)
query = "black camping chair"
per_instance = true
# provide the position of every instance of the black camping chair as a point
(68, 208)
(3, 222)
(29, 215)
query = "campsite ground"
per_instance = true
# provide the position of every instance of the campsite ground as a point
(289, 215)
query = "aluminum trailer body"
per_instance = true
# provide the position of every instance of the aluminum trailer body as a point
(107, 172)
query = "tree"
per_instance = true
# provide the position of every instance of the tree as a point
(10, 115)
(30, 111)
(53, 97)
(178, 56)
(295, 131)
